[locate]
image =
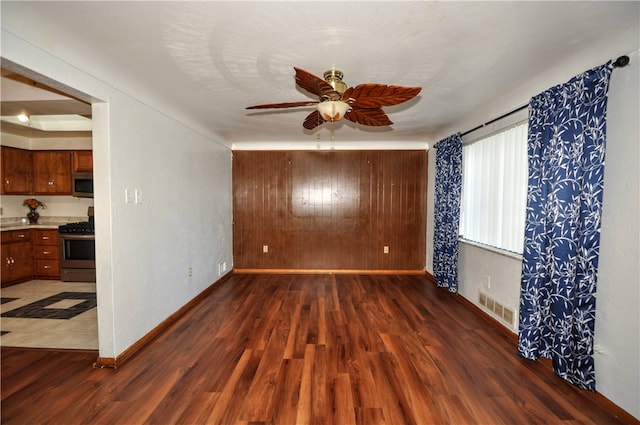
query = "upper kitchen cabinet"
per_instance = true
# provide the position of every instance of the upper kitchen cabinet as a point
(52, 172)
(17, 171)
(82, 161)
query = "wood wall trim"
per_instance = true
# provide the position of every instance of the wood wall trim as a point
(110, 362)
(329, 210)
(328, 271)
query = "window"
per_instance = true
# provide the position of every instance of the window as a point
(494, 189)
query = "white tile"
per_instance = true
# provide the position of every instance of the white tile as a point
(80, 332)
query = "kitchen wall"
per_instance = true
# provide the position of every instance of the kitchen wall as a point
(182, 220)
(57, 206)
(617, 337)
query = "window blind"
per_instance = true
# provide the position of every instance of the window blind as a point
(494, 189)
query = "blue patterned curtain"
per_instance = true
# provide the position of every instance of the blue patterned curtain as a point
(566, 144)
(448, 186)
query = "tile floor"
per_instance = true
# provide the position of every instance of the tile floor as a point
(49, 314)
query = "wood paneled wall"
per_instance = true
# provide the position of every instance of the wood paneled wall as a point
(332, 210)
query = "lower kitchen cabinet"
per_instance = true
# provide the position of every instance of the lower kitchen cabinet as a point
(30, 254)
(46, 254)
(17, 256)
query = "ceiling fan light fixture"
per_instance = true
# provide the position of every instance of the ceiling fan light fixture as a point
(334, 78)
(333, 110)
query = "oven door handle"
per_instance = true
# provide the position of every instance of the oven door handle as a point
(76, 236)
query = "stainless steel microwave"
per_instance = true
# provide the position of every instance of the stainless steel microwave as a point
(82, 185)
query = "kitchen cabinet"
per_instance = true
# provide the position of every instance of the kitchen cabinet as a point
(17, 171)
(46, 254)
(83, 161)
(51, 172)
(17, 256)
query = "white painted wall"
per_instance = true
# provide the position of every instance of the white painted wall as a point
(618, 294)
(617, 336)
(182, 222)
(144, 250)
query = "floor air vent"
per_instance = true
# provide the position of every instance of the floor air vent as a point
(503, 313)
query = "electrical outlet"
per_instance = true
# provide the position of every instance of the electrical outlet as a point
(265, 248)
(190, 272)
(385, 249)
(222, 267)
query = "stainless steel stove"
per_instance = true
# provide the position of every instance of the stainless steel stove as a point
(78, 251)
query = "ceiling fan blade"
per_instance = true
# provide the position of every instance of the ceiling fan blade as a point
(315, 85)
(284, 105)
(313, 120)
(369, 116)
(377, 95)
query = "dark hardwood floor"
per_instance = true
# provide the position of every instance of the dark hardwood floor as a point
(304, 349)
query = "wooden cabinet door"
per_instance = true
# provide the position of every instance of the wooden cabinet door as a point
(83, 161)
(6, 263)
(52, 172)
(22, 260)
(17, 256)
(16, 171)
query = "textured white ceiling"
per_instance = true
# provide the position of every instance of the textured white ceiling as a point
(209, 60)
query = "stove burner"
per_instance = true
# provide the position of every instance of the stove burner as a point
(83, 227)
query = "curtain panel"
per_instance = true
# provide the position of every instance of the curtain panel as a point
(448, 188)
(566, 150)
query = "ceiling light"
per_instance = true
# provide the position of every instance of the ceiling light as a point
(334, 78)
(333, 110)
(51, 122)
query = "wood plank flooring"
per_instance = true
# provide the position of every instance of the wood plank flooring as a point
(304, 349)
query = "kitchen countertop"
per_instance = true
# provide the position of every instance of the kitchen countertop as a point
(44, 223)
(7, 227)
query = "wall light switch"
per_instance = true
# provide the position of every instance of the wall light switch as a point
(138, 196)
(128, 196)
(265, 248)
(385, 249)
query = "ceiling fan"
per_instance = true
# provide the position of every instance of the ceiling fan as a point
(361, 104)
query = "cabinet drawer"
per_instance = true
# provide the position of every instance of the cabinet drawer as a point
(47, 252)
(20, 235)
(45, 237)
(47, 267)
